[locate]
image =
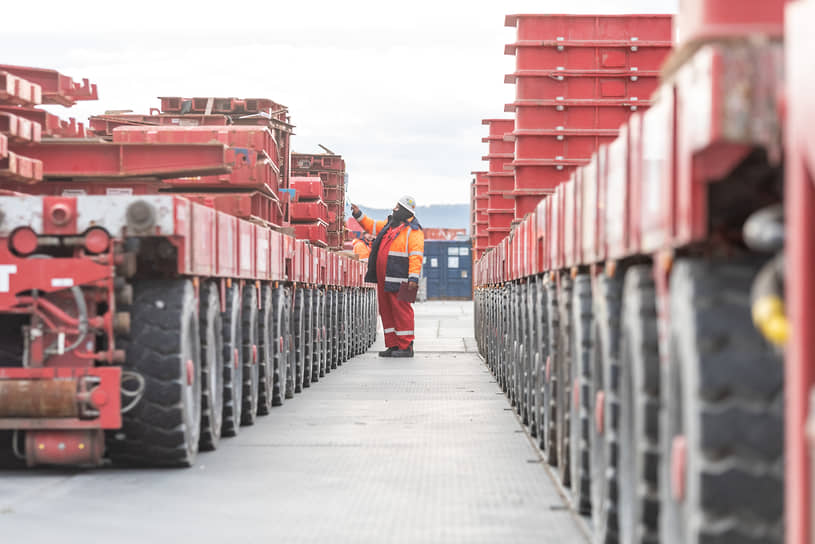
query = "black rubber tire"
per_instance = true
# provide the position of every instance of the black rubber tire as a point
(368, 312)
(517, 363)
(298, 316)
(308, 338)
(251, 355)
(507, 323)
(164, 427)
(580, 371)
(604, 379)
(550, 372)
(340, 328)
(331, 298)
(542, 331)
(11, 355)
(344, 326)
(723, 391)
(266, 350)
(374, 315)
(638, 397)
(358, 322)
(532, 349)
(316, 362)
(523, 350)
(492, 346)
(562, 367)
(212, 366)
(325, 366)
(233, 362)
(281, 301)
(11, 340)
(351, 324)
(316, 350)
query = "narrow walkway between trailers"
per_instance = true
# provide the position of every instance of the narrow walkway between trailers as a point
(380, 450)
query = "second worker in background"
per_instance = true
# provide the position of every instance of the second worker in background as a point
(395, 264)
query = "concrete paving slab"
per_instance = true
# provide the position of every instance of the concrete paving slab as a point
(423, 450)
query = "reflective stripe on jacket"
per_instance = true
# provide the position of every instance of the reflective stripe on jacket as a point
(406, 250)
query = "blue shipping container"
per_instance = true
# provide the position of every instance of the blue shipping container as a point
(448, 268)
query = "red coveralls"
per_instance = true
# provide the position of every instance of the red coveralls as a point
(397, 315)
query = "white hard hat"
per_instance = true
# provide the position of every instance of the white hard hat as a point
(408, 203)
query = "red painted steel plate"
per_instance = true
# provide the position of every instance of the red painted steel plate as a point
(84, 159)
(535, 55)
(256, 138)
(557, 28)
(614, 190)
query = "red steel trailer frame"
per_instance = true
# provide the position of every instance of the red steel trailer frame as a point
(655, 236)
(94, 235)
(799, 167)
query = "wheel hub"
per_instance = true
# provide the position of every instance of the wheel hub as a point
(679, 453)
(576, 393)
(190, 367)
(600, 411)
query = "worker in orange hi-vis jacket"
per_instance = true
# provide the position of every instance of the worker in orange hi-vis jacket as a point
(362, 246)
(395, 264)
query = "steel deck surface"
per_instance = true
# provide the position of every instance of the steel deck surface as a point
(380, 450)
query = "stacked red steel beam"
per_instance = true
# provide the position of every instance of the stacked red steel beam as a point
(500, 179)
(479, 217)
(330, 168)
(577, 78)
(23, 125)
(309, 212)
(255, 177)
(257, 131)
(18, 93)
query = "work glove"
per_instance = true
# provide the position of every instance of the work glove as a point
(408, 291)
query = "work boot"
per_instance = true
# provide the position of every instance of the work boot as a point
(388, 352)
(403, 352)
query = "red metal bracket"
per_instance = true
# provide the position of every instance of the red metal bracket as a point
(105, 397)
(56, 88)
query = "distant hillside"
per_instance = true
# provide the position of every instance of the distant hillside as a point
(443, 216)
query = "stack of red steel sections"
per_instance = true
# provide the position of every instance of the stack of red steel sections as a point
(578, 78)
(256, 129)
(500, 179)
(479, 216)
(18, 93)
(309, 213)
(253, 182)
(330, 168)
(22, 89)
(97, 235)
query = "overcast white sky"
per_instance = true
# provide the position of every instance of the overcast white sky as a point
(398, 88)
